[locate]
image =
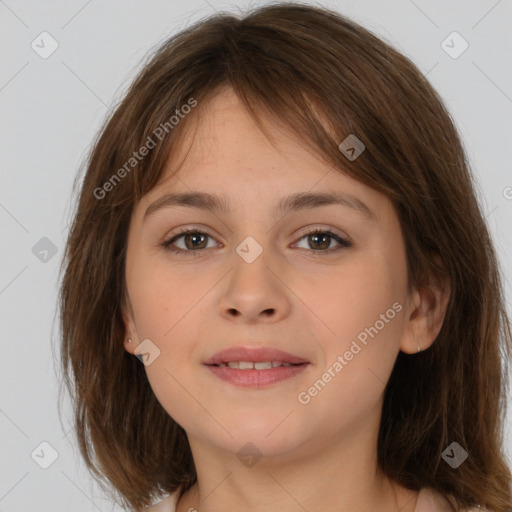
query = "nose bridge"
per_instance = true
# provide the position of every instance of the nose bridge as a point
(253, 288)
(250, 261)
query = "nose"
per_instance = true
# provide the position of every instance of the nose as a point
(254, 292)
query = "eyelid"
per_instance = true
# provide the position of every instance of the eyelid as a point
(324, 228)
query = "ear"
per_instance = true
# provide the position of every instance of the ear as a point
(424, 315)
(131, 340)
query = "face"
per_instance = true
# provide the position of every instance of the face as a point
(255, 276)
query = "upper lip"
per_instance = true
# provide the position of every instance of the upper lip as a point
(253, 354)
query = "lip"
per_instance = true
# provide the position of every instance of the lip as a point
(253, 355)
(256, 378)
(252, 378)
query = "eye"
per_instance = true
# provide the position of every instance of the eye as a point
(318, 237)
(194, 240)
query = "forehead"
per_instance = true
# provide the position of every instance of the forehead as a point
(224, 152)
(222, 128)
(221, 139)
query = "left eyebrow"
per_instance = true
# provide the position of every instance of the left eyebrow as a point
(294, 202)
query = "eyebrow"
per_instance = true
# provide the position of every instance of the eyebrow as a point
(294, 202)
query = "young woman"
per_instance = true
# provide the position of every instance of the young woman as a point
(279, 291)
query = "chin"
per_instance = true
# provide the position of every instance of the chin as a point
(271, 435)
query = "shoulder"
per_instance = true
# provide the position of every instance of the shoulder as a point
(430, 500)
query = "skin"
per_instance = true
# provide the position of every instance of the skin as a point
(319, 456)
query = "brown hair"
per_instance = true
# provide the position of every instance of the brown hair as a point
(323, 77)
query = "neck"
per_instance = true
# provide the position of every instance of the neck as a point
(341, 476)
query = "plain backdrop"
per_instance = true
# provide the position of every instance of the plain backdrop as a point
(52, 105)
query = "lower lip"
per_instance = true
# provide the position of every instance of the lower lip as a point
(256, 378)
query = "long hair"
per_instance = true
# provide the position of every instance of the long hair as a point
(323, 77)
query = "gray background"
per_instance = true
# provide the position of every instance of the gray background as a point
(51, 109)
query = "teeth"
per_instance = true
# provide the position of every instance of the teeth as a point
(263, 366)
(248, 365)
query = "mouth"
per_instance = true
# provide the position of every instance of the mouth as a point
(255, 367)
(259, 358)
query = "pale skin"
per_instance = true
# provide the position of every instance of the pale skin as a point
(316, 456)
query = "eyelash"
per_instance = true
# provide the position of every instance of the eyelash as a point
(190, 252)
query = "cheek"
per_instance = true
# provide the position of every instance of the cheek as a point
(361, 306)
(160, 297)
(359, 348)
(165, 302)
(353, 297)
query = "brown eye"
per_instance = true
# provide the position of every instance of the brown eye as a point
(196, 240)
(319, 241)
(193, 240)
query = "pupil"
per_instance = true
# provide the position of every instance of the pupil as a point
(193, 235)
(316, 237)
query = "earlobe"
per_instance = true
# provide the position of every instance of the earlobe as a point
(129, 345)
(129, 329)
(425, 315)
(129, 341)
